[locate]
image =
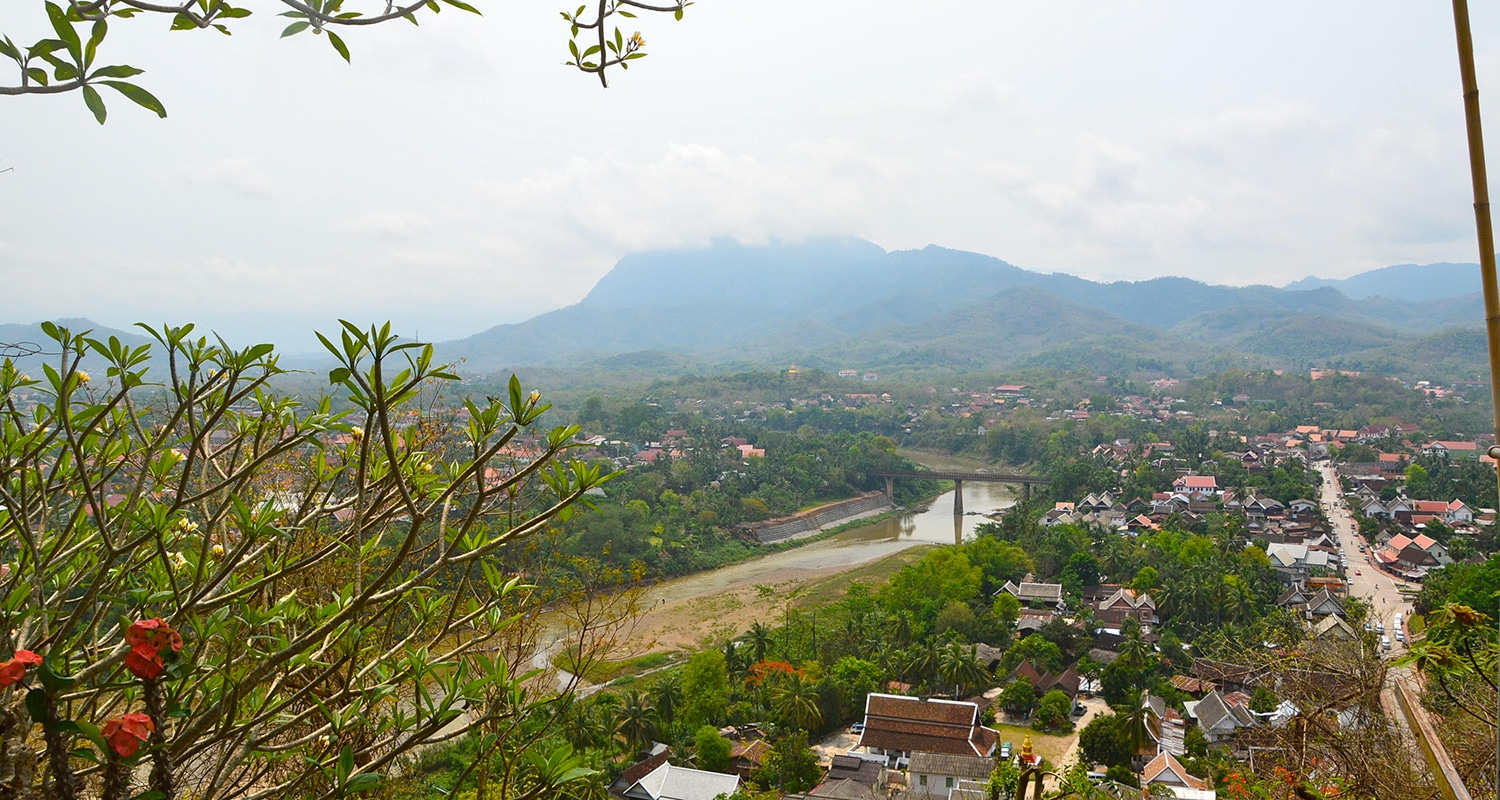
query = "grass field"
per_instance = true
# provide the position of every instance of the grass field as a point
(1051, 748)
(606, 671)
(820, 593)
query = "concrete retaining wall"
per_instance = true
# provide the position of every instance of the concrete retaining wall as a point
(813, 520)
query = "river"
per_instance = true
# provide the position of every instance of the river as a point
(934, 524)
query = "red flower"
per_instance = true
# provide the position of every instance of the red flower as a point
(14, 669)
(144, 662)
(11, 672)
(125, 734)
(155, 632)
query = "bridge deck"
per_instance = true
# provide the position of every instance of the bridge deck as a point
(986, 477)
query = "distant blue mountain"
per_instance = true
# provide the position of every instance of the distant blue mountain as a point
(828, 302)
(1409, 282)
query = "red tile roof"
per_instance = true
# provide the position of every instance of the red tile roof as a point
(912, 724)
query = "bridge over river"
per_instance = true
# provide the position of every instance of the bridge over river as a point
(958, 479)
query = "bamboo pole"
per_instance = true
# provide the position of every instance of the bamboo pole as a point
(1486, 240)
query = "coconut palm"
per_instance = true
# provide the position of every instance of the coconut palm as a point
(666, 697)
(635, 721)
(921, 662)
(960, 667)
(1135, 650)
(1136, 719)
(796, 701)
(759, 639)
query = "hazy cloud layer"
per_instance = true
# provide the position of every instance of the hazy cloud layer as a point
(456, 176)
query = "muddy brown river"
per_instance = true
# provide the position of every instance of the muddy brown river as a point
(934, 524)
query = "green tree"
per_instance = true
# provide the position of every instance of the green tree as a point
(791, 765)
(332, 581)
(1019, 697)
(1103, 741)
(1044, 654)
(1053, 712)
(796, 700)
(711, 750)
(635, 720)
(854, 679)
(960, 668)
(705, 688)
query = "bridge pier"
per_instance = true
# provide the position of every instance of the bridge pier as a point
(958, 498)
(890, 489)
(1028, 490)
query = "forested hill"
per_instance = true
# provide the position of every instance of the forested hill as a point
(846, 303)
(1410, 282)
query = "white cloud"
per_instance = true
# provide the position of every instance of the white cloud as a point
(237, 174)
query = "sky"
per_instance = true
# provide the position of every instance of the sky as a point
(457, 176)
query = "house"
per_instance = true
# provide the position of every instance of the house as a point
(1165, 726)
(747, 756)
(1166, 770)
(1458, 512)
(1451, 449)
(1331, 628)
(667, 782)
(897, 726)
(1294, 562)
(851, 778)
(1409, 554)
(1219, 719)
(936, 774)
(1125, 603)
(1300, 506)
(970, 790)
(1049, 594)
(1068, 681)
(1204, 485)
(633, 773)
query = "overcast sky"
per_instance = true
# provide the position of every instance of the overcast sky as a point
(457, 176)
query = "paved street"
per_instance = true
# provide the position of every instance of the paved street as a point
(1371, 585)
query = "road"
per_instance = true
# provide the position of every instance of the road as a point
(1372, 585)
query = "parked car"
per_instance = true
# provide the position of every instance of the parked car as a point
(1005, 751)
(857, 728)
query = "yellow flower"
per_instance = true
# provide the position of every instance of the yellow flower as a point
(218, 549)
(83, 377)
(636, 42)
(357, 432)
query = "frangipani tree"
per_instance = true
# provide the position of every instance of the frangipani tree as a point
(263, 598)
(69, 60)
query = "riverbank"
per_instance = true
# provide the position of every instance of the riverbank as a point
(705, 620)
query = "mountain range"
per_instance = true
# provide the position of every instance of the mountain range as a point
(846, 303)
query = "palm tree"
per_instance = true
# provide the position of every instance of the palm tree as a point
(1135, 650)
(666, 696)
(759, 638)
(960, 666)
(634, 720)
(922, 662)
(1239, 600)
(797, 702)
(1136, 718)
(734, 660)
(898, 628)
(583, 726)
